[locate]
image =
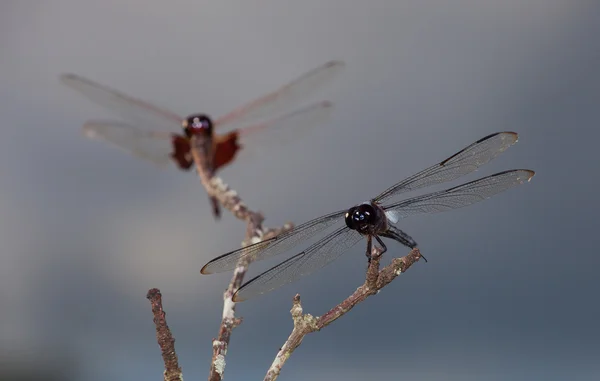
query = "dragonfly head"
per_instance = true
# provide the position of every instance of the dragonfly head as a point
(361, 218)
(197, 124)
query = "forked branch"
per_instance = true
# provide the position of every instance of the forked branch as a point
(255, 232)
(304, 324)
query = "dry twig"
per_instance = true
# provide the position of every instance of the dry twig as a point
(166, 342)
(305, 324)
(254, 233)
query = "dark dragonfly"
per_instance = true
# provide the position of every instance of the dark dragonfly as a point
(373, 220)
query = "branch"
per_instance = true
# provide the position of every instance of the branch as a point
(166, 342)
(305, 324)
(215, 187)
(255, 232)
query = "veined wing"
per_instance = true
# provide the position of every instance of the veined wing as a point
(459, 196)
(274, 246)
(284, 98)
(461, 163)
(313, 258)
(152, 146)
(136, 111)
(284, 129)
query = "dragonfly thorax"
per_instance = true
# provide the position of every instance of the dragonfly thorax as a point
(365, 218)
(197, 124)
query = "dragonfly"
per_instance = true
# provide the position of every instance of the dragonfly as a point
(373, 219)
(162, 137)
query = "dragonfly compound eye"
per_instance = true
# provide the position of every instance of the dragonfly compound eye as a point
(197, 124)
(365, 214)
(360, 217)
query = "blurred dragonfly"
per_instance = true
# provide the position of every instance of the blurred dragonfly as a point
(161, 136)
(373, 220)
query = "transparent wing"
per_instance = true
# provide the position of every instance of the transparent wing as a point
(313, 258)
(459, 196)
(286, 129)
(136, 111)
(284, 98)
(152, 146)
(461, 163)
(273, 246)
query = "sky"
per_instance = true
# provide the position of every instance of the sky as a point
(509, 291)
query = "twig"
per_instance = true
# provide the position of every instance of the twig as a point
(305, 324)
(166, 342)
(254, 233)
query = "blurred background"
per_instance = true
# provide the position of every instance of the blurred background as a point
(510, 290)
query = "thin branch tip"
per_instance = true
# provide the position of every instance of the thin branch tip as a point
(165, 339)
(153, 293)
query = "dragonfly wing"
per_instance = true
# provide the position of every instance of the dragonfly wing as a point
(136, 111)
(152, 146)
(313, 258)
(282, 130)
(274, 246)
(461, 163)
(459, 196)
(284, 98)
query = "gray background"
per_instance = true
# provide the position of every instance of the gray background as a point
(510, 291)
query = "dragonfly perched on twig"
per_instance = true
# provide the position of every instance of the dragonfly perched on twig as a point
(162, 137)
(374, 220)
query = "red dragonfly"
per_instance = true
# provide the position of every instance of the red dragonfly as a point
(162, 137)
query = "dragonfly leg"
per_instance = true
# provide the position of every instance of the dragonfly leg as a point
(370, 246)
(382, 244)
(215, 206)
